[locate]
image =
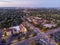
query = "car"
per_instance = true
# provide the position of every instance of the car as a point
(42, 40)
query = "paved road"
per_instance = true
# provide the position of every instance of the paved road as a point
(0, 34)
(52, 31)
(26, 42)
(41, 34)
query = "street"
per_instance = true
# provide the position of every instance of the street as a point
(40, 35)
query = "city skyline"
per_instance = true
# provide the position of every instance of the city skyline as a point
(30, 3)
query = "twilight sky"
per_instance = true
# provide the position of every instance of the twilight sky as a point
(30, 3)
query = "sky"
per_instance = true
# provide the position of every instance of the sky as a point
(30, 3)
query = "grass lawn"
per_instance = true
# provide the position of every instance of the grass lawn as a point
(59, 36)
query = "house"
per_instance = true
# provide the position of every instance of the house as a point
(49, 25)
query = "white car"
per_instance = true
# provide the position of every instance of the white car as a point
(42, 40)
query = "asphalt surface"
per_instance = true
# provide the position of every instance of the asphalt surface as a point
(52, 31)
(40, 35)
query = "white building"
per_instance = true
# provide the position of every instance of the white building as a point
(49, 25)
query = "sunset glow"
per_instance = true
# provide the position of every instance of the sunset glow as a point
(29, 3)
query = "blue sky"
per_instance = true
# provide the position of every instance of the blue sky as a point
(29, 3)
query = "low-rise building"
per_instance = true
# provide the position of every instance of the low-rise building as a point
(49, 25)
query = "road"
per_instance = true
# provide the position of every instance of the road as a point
(0, 33)
(44, 39)
(41, 34)
(52, 31)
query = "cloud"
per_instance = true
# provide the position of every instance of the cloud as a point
(17, 0)
(29, 3)
(18, 3)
